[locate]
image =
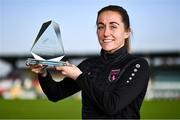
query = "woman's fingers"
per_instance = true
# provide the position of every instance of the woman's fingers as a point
(39, 68)
(69, 70)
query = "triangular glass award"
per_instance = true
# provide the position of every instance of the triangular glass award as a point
(48, 47)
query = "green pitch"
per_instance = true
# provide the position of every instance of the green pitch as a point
(70, 108)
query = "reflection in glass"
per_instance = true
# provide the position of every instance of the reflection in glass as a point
(48, 48)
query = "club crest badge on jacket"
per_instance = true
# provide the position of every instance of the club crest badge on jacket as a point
(114, 74)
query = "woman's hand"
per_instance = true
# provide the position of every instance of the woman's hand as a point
(69, 70)
(39, 69)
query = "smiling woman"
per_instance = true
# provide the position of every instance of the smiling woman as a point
(114, 84)
(113, 29)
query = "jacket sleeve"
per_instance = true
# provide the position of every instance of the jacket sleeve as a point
(57, 90)
(133, 81)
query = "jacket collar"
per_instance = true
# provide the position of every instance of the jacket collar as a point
(116, 56)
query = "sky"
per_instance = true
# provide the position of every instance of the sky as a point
(155, 24)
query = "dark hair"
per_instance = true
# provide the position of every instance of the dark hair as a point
(123, 13)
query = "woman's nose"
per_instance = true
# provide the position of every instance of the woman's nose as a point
(107, 31)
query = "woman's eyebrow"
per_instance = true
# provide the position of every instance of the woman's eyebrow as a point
(114, 23)
(101, 23)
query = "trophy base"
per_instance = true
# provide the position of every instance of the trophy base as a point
(48, 63)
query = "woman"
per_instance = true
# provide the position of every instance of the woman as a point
(114, 84)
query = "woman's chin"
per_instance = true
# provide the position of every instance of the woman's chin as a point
(109, 50)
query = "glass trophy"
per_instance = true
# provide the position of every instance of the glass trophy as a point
(47, 48)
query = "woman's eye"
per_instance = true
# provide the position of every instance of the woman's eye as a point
(100, 27)
(113, 27)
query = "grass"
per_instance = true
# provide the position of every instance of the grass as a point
(70, 109)
(161, 109)
(40, 109)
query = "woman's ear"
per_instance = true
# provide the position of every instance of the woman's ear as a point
(127, 33)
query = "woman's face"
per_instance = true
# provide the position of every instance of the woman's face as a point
(111, 31)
